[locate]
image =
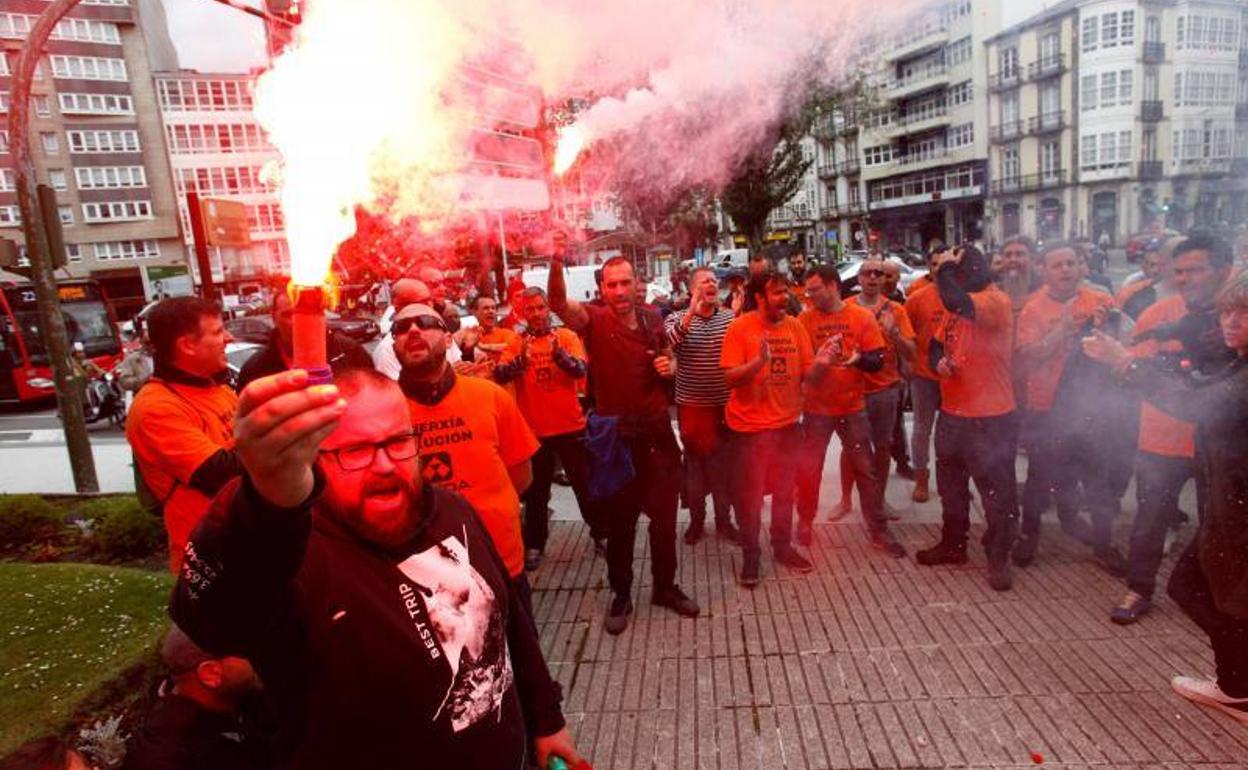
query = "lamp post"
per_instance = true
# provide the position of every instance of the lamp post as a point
(51, 321)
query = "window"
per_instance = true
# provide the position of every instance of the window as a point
(116, 211)
(1009, 62)
(103, 141)
(1125, 87)
(1126, 28)
(1089, 38)
(111, 250)
(73, 252)
(1109, 30)
(1050, 47)
(1109, 88)
(204, 95)
(1109, 149)
(878, 156)
(221, 180)
(42, 104)
(10, 216)
(960, 94)
(1150, 84)
(96, 104)
(1148, 144)
(1124, 147)
(216, 138)
(8, 180)
(959, 52)
(1050, 159)
(1010, 167)
(51, 143)
(66, 214)
(1152, 29)
(1087, 93)
(1050, 100)
(961, 136)
(4, 142)
(1178, 33)
(57, 179)
(88, 68)
(110, 177)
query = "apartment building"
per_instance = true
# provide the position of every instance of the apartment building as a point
(96, 139)
(217, 149)
(1108, 116)
(910, 166)
(795, 222)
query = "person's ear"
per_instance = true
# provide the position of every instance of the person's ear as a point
(210, 674)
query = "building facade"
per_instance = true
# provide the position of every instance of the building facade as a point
(1108, 117)
(910, 168)
(96, 139)
(218, 150)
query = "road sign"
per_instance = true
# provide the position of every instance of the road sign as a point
(225, 223)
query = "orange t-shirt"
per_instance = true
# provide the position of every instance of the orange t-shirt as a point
(497, 340)
(1040, 316)
(545, 393)
(890, 374)
(772, 398)
(1130, 290)
(842, 390)
(172, 429)
(922, 282)
(1160, 433)
(468, 440)
(981, 351)
(926, 313)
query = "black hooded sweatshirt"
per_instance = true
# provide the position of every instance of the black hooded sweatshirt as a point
(418, 656)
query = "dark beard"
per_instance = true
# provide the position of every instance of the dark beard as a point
(351, 516)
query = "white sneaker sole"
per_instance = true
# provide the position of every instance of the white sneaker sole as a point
(1195, 697)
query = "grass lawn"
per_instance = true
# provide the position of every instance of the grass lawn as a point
(67, 630)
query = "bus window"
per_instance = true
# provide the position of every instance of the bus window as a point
(85, 322)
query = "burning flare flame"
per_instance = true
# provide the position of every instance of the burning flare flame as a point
(571, 142)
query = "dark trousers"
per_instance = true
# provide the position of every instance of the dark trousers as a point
(707, 461)
(900, 449)
(1158, 482)
(983, 449)
(1228, 634)
(654, 491)
(1059, 467)
(570, 449)
(525, 591)
(881, 417)
(855, 433)
(764, 464)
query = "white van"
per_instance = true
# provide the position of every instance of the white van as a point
(578, 278)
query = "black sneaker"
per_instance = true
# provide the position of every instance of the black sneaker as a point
(749, 572)
(884, 541)
(600, 547)
(805, 534)
(617, 616)
(1109, 559)
(533, 559)
(1130, 609)
(675, 600)
(789, 557)
(694, 533)
(1025, 550)
(728, 531)
(942, 553)
(999, 577)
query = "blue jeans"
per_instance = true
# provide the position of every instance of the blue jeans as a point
(855, 433)
(764, 463)
(925, 398)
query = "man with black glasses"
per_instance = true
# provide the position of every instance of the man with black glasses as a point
(473, 439)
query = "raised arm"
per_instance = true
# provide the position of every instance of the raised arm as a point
(573, 313)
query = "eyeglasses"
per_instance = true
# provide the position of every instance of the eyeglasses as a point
(422, 322)
(360, 456)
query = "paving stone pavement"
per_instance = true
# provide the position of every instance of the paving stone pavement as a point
(871, 662)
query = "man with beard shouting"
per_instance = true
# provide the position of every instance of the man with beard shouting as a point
(374, 607)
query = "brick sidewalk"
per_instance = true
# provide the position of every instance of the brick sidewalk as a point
(874, 662)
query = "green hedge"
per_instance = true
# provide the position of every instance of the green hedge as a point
(27, 519)
(122, 529)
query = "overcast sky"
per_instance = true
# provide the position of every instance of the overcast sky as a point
(215, 38)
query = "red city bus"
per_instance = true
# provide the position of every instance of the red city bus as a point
(25, 371)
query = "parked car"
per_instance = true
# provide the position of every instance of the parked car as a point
(254, 328)
(237, 354)
(358, 328)
(849, 275)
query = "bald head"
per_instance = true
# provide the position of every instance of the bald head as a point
(408, 291)
(420, 339)
(872, 278)
(435, 280)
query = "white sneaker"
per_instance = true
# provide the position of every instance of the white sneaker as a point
(1207, 693)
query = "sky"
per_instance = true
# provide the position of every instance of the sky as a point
(215, 38)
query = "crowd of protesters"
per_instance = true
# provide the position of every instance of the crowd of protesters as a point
(363, 548)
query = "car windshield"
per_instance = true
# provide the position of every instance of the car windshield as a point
(85, 322)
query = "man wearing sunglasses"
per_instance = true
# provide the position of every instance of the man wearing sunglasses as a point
(474, 440)
(373, 606)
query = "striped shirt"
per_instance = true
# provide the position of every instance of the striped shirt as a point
(699, 380)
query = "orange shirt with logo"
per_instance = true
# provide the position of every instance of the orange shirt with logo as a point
(890, 374)
(1161, 434)
(926, 313)
(497, 339)
(172, 429)
(842, 389)
(468, 440)
(545, 393)
(1040, 316)
(772, 398)
(981, 352)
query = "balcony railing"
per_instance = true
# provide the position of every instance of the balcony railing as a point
(1004, 132)
(1049, 121)
(1241, 112)
(1154, 52)
(1001, 80)
(823, 128)
(1030, 182)
(827, 171)
(844, 209)
(1151, 110)
(1046, 67)
(919, 117)
(1151, 169)
(848, 167)
(902, 84)
(921, 156)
